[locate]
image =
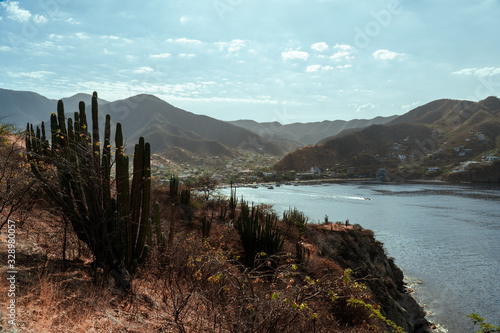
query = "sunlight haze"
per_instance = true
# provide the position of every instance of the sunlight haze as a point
(275, 60)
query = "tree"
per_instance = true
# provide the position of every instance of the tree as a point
(207, 184)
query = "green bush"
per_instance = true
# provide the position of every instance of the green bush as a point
(484, 327)
(296, 218)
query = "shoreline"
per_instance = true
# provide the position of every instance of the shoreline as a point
(321, 181)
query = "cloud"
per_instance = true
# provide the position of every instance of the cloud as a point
(15, 13)
(235, 45)
(320, 47)
(386, 55)
(341, 55)
(479, 72)
(143, 70)
(56, 37)
(31, 75)
(109, 37)
(185, 19)
(160, 56)
(71, 21)
(187, 55)
(344, 53)
(21, 15)
(5, 48)
(39, 19)
(365, 107)
(316, 68)
(185, 41)
(82, 35)
(411, 106)
(291, 55)
(343, 47)
(313, 68)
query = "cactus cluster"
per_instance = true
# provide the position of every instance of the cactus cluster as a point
(115, 224)
(206, 225)
(258, 232)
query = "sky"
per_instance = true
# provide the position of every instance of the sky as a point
(267, 60)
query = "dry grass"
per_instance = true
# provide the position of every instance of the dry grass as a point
(194, 287)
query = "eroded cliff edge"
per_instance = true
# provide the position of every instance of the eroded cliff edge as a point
(357, 249)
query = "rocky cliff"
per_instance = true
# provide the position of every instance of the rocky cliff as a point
(357, 249)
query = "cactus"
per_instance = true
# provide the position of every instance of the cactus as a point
(206, 224)
(174, 187)
(161, 242)
(258, 236)
(223, 211)
(115, 229)
(296, 218)
(301, 253)
(233, 201)
(172, 229)
(187, 209)
(185, 197)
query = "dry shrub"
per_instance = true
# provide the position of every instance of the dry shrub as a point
(205, 288)
(18, 189)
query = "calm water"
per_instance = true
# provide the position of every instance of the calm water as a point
(445, 238)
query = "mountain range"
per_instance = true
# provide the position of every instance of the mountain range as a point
(296, 135)
(439, 134)
(180, 134)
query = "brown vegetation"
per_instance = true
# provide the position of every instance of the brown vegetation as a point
(196, 284)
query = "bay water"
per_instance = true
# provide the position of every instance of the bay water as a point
(445, 238)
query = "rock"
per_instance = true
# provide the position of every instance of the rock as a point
(358, 250)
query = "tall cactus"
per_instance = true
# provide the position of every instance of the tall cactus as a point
(174, 187)
(258, 236)
(114, 228)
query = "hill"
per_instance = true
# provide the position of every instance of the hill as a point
(296, 135)
(439, 134)
(21, 107)
(184, 135)
(168, 127)
(203, 279)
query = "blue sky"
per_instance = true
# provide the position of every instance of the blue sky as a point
(273, 60)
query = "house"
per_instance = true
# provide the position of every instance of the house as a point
(397, 146)
(480, 136)
(433, 169)
(305, 175)
(492, 159)
(381, 173)
(316, 171)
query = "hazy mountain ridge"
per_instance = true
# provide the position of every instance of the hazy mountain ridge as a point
(143, 115)
(441, 133)
(296, 135)
(168, 128)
